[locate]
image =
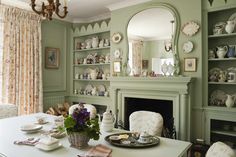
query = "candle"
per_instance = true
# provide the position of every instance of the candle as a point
(65, 3)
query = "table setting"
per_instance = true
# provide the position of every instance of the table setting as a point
(32, 135)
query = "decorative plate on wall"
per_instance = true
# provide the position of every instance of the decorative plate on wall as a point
(116, 38)
(188, 47)
(190, 28)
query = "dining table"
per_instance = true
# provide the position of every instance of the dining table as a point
(10, 131)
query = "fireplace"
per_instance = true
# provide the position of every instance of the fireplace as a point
(170, 96)
(164, 107)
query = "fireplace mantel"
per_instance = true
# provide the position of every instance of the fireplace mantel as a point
(176, 89)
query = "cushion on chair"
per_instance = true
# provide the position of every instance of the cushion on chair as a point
(8, 110)
(148, 121)
(90, 108)
(220, 149)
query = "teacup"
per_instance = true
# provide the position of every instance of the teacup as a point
(41, 119)
(59, 121)
(145, 138)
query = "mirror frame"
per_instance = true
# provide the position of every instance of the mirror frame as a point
(176, 33)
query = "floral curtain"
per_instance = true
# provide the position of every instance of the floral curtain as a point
(137, 50)
(22, 61)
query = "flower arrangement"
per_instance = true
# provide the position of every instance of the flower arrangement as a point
(79, 121)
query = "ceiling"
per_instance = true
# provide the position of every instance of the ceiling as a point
(83, 10)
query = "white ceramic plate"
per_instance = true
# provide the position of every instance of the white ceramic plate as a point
(31, 127)
(101, 88)
(232, 17)
(48, 148)
(188, 47)
(190, 28)
(116, 38)
(218, 98)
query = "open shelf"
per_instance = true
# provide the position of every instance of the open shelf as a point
(92, 49)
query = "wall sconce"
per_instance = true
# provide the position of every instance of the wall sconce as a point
(49, 8)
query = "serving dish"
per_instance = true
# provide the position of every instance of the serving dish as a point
(130, 141)
(48, 148)
(190, 28)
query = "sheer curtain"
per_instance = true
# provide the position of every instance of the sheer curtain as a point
(21, 60)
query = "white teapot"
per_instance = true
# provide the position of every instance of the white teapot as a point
(108, 121)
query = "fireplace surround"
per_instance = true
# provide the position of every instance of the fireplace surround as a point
(174, 89)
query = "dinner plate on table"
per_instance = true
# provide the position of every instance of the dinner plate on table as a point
(31, 128)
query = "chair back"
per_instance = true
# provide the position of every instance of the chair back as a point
(220, 149)
(146, 121)
(8, 110)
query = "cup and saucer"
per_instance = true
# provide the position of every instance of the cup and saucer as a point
(41, 120)
(145, 138)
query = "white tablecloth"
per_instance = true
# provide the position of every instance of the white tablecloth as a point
(10, 131)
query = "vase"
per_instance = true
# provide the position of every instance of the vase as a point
(164, 68)
(78, 139)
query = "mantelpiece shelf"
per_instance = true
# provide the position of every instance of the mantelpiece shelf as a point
(222, 35)
(92, 49)
(97, 64)
(90, 80)
(222, 59)
(221, 109)
(222, 83)
(90, 96)
(222, 132)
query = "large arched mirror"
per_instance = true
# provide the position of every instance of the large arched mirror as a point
(152, 36)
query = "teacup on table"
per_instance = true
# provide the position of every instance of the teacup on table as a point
(41, 120)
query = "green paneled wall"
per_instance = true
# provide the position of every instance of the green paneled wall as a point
(56, 34)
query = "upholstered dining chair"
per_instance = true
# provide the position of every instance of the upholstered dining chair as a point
(146, 121)
(8, 110)
(90, 108)
(220, 149)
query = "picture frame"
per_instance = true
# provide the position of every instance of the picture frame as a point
(52, 57)
(190, 64)
(117, 66)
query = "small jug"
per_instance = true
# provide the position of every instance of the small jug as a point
(95, 42)
(230, 100)
(108, 121)
(221, 51)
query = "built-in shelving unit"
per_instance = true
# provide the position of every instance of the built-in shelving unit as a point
(91, 63)
(220, 119)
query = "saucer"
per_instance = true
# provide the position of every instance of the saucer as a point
(150, 141)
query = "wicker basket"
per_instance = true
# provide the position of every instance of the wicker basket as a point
(78, 140)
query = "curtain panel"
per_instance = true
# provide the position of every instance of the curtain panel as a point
(22, 60)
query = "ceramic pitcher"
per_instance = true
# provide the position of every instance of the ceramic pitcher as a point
(230, 101)
(229, 28)
(108, 121)
(93, 74)
(95, 42)
(221, 51)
